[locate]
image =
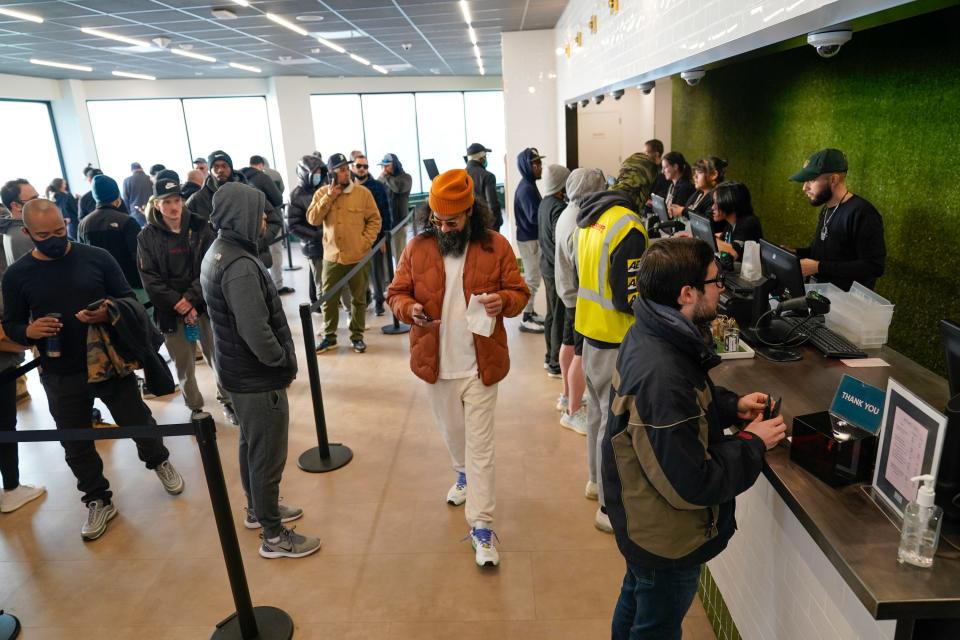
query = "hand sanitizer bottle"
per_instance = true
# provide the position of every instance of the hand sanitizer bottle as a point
(921, 526)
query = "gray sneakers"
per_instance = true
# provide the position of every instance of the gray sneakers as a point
(287, 514)
(170, 478)
(289, 544)
(98, 515)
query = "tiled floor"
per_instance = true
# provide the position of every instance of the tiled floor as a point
(392, 565)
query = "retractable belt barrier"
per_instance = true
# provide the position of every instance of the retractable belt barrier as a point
(247, 622)
(327, 456)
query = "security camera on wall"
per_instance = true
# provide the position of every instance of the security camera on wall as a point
(828, 43)
(646, 88)
(694, 77)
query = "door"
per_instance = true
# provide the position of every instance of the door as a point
(598, 135)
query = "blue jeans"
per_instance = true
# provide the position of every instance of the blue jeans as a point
(653, 603)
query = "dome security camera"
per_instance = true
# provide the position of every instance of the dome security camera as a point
(828, 43)
(598, 98)
(693, 77)
(406, 46)
(584, 103)
(617, 94)
(646, 88)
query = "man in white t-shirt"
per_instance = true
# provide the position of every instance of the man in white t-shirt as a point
(456, 282)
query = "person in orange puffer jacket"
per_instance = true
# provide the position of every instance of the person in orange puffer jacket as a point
(457, 263)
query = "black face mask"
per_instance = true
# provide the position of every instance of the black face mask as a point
(54, 247)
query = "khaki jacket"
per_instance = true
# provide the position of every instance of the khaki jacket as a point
(351, 222)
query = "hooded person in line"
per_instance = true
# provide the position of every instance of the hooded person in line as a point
(552, 205)
(255, 362)
(526, 203)
(610, 242)
(484, 182)
(398, 183)
(312, 174)
(573, 416)
(273, 251)
(137, 190)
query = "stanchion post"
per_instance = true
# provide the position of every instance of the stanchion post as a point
(326, 456)
(247, 623)
(397, 327)
(9, 626)
(286, 240)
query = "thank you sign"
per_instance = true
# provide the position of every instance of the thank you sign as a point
(859, 403)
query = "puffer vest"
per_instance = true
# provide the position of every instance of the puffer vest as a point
(237, 367)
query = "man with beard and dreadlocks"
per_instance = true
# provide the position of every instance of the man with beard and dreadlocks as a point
(848, 245)
(455, 260)
(610, 242)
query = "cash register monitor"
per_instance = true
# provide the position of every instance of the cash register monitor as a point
(951, 344)
(701, 230)
(659, 206)
(783, 267)
(431, 166)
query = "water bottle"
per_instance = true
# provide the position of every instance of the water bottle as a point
(53, 342)
(191, 331)
(921, 527)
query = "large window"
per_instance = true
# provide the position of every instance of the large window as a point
(238, 126)
(173, 131)
(413, 126)
(389, 120)
(30, 144)
(145, 131)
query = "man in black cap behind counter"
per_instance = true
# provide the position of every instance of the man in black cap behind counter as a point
(849, 244)
(484, 182)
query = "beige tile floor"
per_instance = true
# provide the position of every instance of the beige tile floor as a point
(392, 564)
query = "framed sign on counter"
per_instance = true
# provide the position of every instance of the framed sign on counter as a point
(911, 439)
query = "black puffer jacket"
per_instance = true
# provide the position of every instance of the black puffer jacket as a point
(169, 264)
(311, 237)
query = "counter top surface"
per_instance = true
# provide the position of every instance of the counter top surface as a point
(845, 523)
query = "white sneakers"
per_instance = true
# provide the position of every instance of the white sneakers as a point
(458, 492)
(576, 422)
(561, 402)
(590, 491)
(15, 498)
(486, 554)
(602, 521)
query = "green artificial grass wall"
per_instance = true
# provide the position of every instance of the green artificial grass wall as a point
(891, 101)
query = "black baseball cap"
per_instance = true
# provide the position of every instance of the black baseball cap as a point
(821, 162)
(197, 160)
(533, 154)
(167, 184)
(336, 160)
(476, 147)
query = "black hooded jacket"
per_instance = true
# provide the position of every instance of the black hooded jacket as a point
(116, 232)
(311, 237)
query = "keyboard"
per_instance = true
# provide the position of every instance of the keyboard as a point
(831, 344)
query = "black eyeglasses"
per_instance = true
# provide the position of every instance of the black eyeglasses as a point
(720, 281)
(362, 166)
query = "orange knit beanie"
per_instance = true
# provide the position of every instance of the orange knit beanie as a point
(451, 192)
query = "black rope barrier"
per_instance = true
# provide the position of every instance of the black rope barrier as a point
(247, 622)
(396, 327)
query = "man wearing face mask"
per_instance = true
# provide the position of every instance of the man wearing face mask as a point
(47, 295)
(14, 195)
(484, 182)
(848, 245)
(455, 259)
(311, 173)
(351, 222)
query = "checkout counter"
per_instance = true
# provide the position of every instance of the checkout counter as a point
(812, 561)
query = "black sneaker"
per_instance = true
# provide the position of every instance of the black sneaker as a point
(283, 291)
(359, 346)
(379, 310)
(326, 344)
(229, 413)
(553, 371)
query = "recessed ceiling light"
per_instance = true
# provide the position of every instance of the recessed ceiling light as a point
(60, 65)
(309, 18)
(191, 54)
(242, 3)
(187, 46)
(244, 67)
(377, 67)
(20, 15)
(223, 13)
(357, 58)
(135, 76)
(161, 41)
(283, 22)
(331, 45)
(113, 36)
(284, 58)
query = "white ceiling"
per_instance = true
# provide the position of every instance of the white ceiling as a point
(434, 29)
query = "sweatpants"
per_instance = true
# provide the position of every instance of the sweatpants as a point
(530, 254)
(553, 322)
(463, 409)
(183, 353)
(264, 418)
(598, 368)
(276, 269)
(9, 455)
(332, 273)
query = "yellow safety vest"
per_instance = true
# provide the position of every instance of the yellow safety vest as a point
(597, 317)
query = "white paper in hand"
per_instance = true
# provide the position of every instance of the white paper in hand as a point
(750, 268)
(477, 319)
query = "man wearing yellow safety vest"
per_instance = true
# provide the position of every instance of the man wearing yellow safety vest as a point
(611, 241)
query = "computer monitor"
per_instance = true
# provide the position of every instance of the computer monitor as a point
(659, 206)
(951, 344)
(431, 167)
(701, 230)
(784, 267)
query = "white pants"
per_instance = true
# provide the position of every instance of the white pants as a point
(530, 254)
(463, 409)
(598, 368)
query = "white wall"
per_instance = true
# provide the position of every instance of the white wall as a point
(530, 116)
(635, 113)
(288, 105)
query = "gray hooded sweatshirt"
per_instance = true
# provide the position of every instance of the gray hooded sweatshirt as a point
(237, 211)
(580, 183)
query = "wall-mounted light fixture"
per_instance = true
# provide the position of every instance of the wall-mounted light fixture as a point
(614, 6)
(593, 23)
(579, 38)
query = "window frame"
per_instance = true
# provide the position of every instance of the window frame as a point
(53, 129)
